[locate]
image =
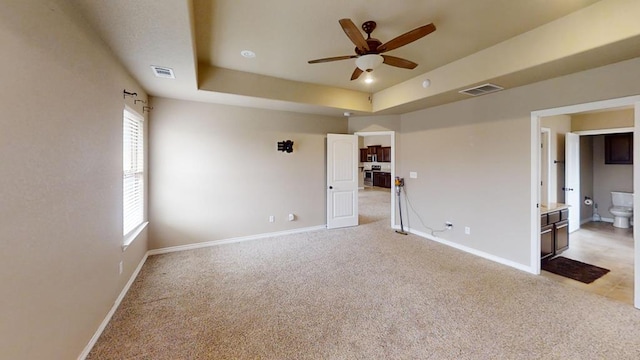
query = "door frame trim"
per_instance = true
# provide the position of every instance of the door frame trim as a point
(392, 134)
(633, 101)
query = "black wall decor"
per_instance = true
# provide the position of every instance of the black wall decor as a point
(285, 146)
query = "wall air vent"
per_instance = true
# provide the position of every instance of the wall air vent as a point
(163, 72)
(481, 90)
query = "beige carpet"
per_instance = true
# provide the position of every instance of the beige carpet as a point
(358, 293)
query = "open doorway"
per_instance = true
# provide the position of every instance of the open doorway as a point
(593, 238)
(377, 168)
(586, 247)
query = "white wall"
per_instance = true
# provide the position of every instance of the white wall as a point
(216, 172)
(61, 184)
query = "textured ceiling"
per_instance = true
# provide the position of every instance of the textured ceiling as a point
(202, 40)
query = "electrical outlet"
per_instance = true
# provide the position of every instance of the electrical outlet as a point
(448, 224)
(413, 175)
(272, 218)
(467, 230)
(292, 217)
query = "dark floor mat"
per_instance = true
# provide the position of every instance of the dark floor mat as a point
(574, 269)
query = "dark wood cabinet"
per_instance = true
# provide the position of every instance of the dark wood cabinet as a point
(561, 236)
(546, 241)
(382, 179)
(554, 233)
(618, 148)
(384, 154)
(363, 154)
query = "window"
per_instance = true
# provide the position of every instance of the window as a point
(132, 171)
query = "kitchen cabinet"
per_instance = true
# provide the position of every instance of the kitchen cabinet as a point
(384, 154)
(373, 149)
(382, 179)
(554, 233)
(363, 154)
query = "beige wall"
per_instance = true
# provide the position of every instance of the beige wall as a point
(382, 140)
(216, 172)
(602, 120)
(374, 123)
(473, 171)
(61, 184)
(473, 158)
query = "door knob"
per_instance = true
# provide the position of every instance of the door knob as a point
(330, 187)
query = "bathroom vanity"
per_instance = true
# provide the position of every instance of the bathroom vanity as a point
(554, 230)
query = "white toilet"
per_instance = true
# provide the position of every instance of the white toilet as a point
(622, 208)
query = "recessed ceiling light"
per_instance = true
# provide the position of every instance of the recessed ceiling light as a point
(426, 83)
(248, 54)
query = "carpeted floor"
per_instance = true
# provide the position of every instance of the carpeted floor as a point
(358, 293)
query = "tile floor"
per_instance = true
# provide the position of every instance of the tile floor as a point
(600, 244)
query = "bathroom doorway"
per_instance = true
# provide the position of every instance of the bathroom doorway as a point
(595, 240)
(631, 104)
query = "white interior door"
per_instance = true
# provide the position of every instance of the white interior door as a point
(545, 156)
(572, 179)
(342, 180)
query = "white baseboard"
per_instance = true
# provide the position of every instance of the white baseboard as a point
(103, 325)
(232, 240)
(472, 251)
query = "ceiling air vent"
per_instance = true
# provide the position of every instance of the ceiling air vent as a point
(481, 90)
(163, 72)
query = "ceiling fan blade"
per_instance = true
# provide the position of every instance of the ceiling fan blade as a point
(398, 62)
(356, 73)
(407, 38)
(354, 34)
(336, 58)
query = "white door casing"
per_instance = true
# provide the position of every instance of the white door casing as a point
(572, 179)
(342, 180)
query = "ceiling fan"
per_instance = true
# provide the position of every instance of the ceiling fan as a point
(368, 50)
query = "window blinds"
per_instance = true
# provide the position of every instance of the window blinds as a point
(133, 171)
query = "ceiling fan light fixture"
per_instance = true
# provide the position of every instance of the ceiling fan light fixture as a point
(368, 79)
(369, 62)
